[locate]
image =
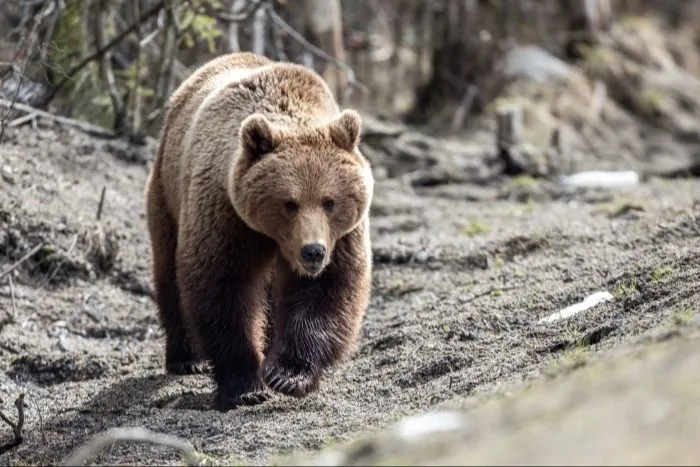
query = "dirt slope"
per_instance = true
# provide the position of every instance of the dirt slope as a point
(639, 407)
(463, 274)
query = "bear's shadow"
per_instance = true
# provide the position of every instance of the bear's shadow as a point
(122, 394)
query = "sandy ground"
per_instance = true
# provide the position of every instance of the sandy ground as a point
(463, 273)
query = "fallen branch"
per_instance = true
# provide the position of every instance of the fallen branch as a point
(21, 120)
(85, 127)
(16, 426)
(349, 72)
(101, 51)
(89, 451)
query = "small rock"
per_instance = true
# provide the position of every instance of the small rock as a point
(7, 175)
(421, 257)
(63, 344)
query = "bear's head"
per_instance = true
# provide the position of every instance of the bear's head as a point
(305, 189)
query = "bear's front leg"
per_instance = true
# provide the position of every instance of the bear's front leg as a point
(316, 321)
(222, 281)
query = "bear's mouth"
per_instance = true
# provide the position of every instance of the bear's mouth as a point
(312, 268)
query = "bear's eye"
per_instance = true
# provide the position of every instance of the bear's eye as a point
(291, 207)
(328, 205)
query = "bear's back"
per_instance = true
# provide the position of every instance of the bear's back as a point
(181, 106)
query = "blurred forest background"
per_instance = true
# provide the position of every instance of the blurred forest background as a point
(432, 63)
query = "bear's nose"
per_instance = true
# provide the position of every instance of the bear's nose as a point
(313, 252)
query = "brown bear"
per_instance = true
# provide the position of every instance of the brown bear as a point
(258, 187)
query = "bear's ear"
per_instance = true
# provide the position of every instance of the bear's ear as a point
(345, 129)
(258, 136)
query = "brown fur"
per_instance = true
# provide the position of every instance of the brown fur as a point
(255, 162)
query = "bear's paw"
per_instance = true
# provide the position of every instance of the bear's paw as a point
(290, 382)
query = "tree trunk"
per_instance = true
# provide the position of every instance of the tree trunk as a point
(320, 21)
(463, 56)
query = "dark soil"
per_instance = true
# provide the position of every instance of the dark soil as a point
(463, 273)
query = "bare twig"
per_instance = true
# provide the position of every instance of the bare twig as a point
(19, 262)
(149, 38)
(349, 72)
(101, 51)
(82, 126)
(16, 426)
(13, 316)
(102, 202)
(91, 449)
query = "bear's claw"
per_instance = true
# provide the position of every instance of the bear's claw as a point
(288, 383)
(253, 398)
(256, 397)
(192, 367)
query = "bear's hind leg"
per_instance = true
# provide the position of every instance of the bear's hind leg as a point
(180, 357)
